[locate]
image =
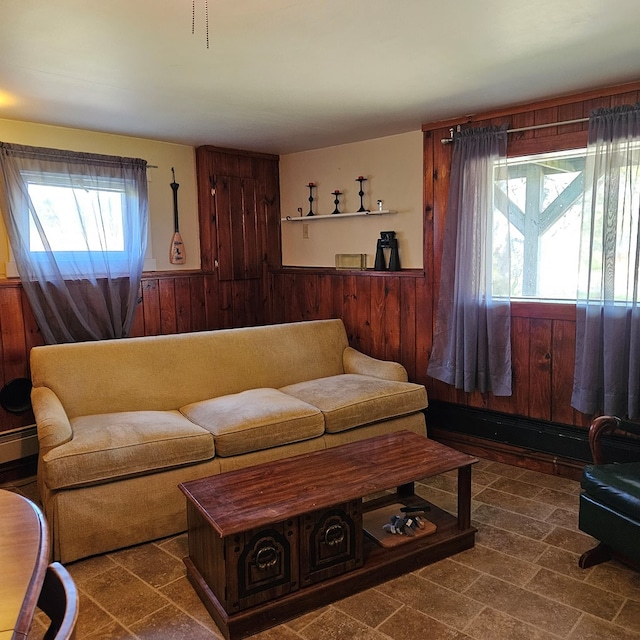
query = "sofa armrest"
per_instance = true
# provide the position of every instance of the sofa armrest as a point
(52, 422)
(604, 426)
(356, 362)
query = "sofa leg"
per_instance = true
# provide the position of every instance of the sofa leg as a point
(600, 553)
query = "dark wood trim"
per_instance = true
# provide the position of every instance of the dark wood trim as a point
(18, 469)
(549, 103)
(404, 273)
(542, 445)
(240, 152)
(543, 310)
(506, 454)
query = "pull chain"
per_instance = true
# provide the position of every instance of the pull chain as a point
(206, 18)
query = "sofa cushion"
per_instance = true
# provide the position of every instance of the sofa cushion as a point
(255, 419)
(110, 446)
(616, 485)
(350, 400)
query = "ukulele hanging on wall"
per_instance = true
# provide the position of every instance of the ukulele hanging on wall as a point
(176, 253)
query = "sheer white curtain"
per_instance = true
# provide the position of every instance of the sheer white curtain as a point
(77, 226)
(472, 340)
(607, 367)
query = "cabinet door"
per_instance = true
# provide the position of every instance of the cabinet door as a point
(238, 234)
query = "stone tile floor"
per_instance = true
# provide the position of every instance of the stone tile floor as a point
(521, 581)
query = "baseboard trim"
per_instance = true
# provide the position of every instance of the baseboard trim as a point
(499, 452)
(558, 448)
(19, 443)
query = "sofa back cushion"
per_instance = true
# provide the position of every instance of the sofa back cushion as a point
(160, 373)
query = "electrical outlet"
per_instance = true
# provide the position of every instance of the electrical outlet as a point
(305, 229)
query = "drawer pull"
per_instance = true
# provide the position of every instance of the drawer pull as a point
(266, 557)
(334, 535)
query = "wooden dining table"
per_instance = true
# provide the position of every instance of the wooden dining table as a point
(24, 556)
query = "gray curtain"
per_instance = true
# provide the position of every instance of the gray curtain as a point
(472, 340)
(77, 226)
(607, 366)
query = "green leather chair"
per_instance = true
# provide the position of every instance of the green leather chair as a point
(610, 500)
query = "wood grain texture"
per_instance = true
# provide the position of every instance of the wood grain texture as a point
(396, 317)
(24, 555)
(253, 497)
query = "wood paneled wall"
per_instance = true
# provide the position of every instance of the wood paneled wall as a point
(543, 335)
(392, 315)
(387, 315)
(169, 303)
(382, 313)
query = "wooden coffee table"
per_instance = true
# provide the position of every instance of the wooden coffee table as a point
(271, 542)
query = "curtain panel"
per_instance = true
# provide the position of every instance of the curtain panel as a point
(472, 339)
(77, 226)
(607, 365)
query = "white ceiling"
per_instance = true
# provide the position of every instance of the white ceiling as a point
(290, 75)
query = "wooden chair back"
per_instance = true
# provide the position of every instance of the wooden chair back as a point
(59, 600)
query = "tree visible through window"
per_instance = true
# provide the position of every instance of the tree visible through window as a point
(543, 196)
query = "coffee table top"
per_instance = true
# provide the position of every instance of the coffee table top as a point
(252, 497)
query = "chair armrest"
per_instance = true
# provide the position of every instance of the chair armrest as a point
(52, 422)
(356, 362)
(606, 425)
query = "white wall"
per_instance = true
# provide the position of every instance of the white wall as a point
(393, 168)
(163, 154)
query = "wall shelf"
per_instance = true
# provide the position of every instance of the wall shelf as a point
(335, 215)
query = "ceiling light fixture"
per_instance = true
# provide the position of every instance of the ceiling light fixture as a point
(206, 18)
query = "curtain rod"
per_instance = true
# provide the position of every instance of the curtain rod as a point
(530, 128)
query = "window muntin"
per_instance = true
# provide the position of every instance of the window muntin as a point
(543, 194)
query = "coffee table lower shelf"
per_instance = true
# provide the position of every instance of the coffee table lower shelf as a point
(380, 564)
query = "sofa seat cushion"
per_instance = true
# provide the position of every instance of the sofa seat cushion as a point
(111, 446)
(255, 419)
(350, 400)
(616, 485)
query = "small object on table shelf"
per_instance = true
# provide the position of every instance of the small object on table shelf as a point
(380, 205)
(401, 526)
(361, 179)
(311, 185)
(423, 508)
(336, 193)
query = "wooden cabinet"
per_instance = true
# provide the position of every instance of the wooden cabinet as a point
(237, 225)
(239, 207)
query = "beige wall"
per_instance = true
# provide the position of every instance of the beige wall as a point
(393, 168)
(164, 155)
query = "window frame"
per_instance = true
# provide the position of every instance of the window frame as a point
(535, 142)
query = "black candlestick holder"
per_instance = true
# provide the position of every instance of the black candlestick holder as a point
(361, 179)
(336, 200)
(311, 185)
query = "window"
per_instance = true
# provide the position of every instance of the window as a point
(81, 220)
(77, 226)
(76, 219)
(543, 195)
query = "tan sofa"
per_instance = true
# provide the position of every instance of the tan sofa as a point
(122, 422)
